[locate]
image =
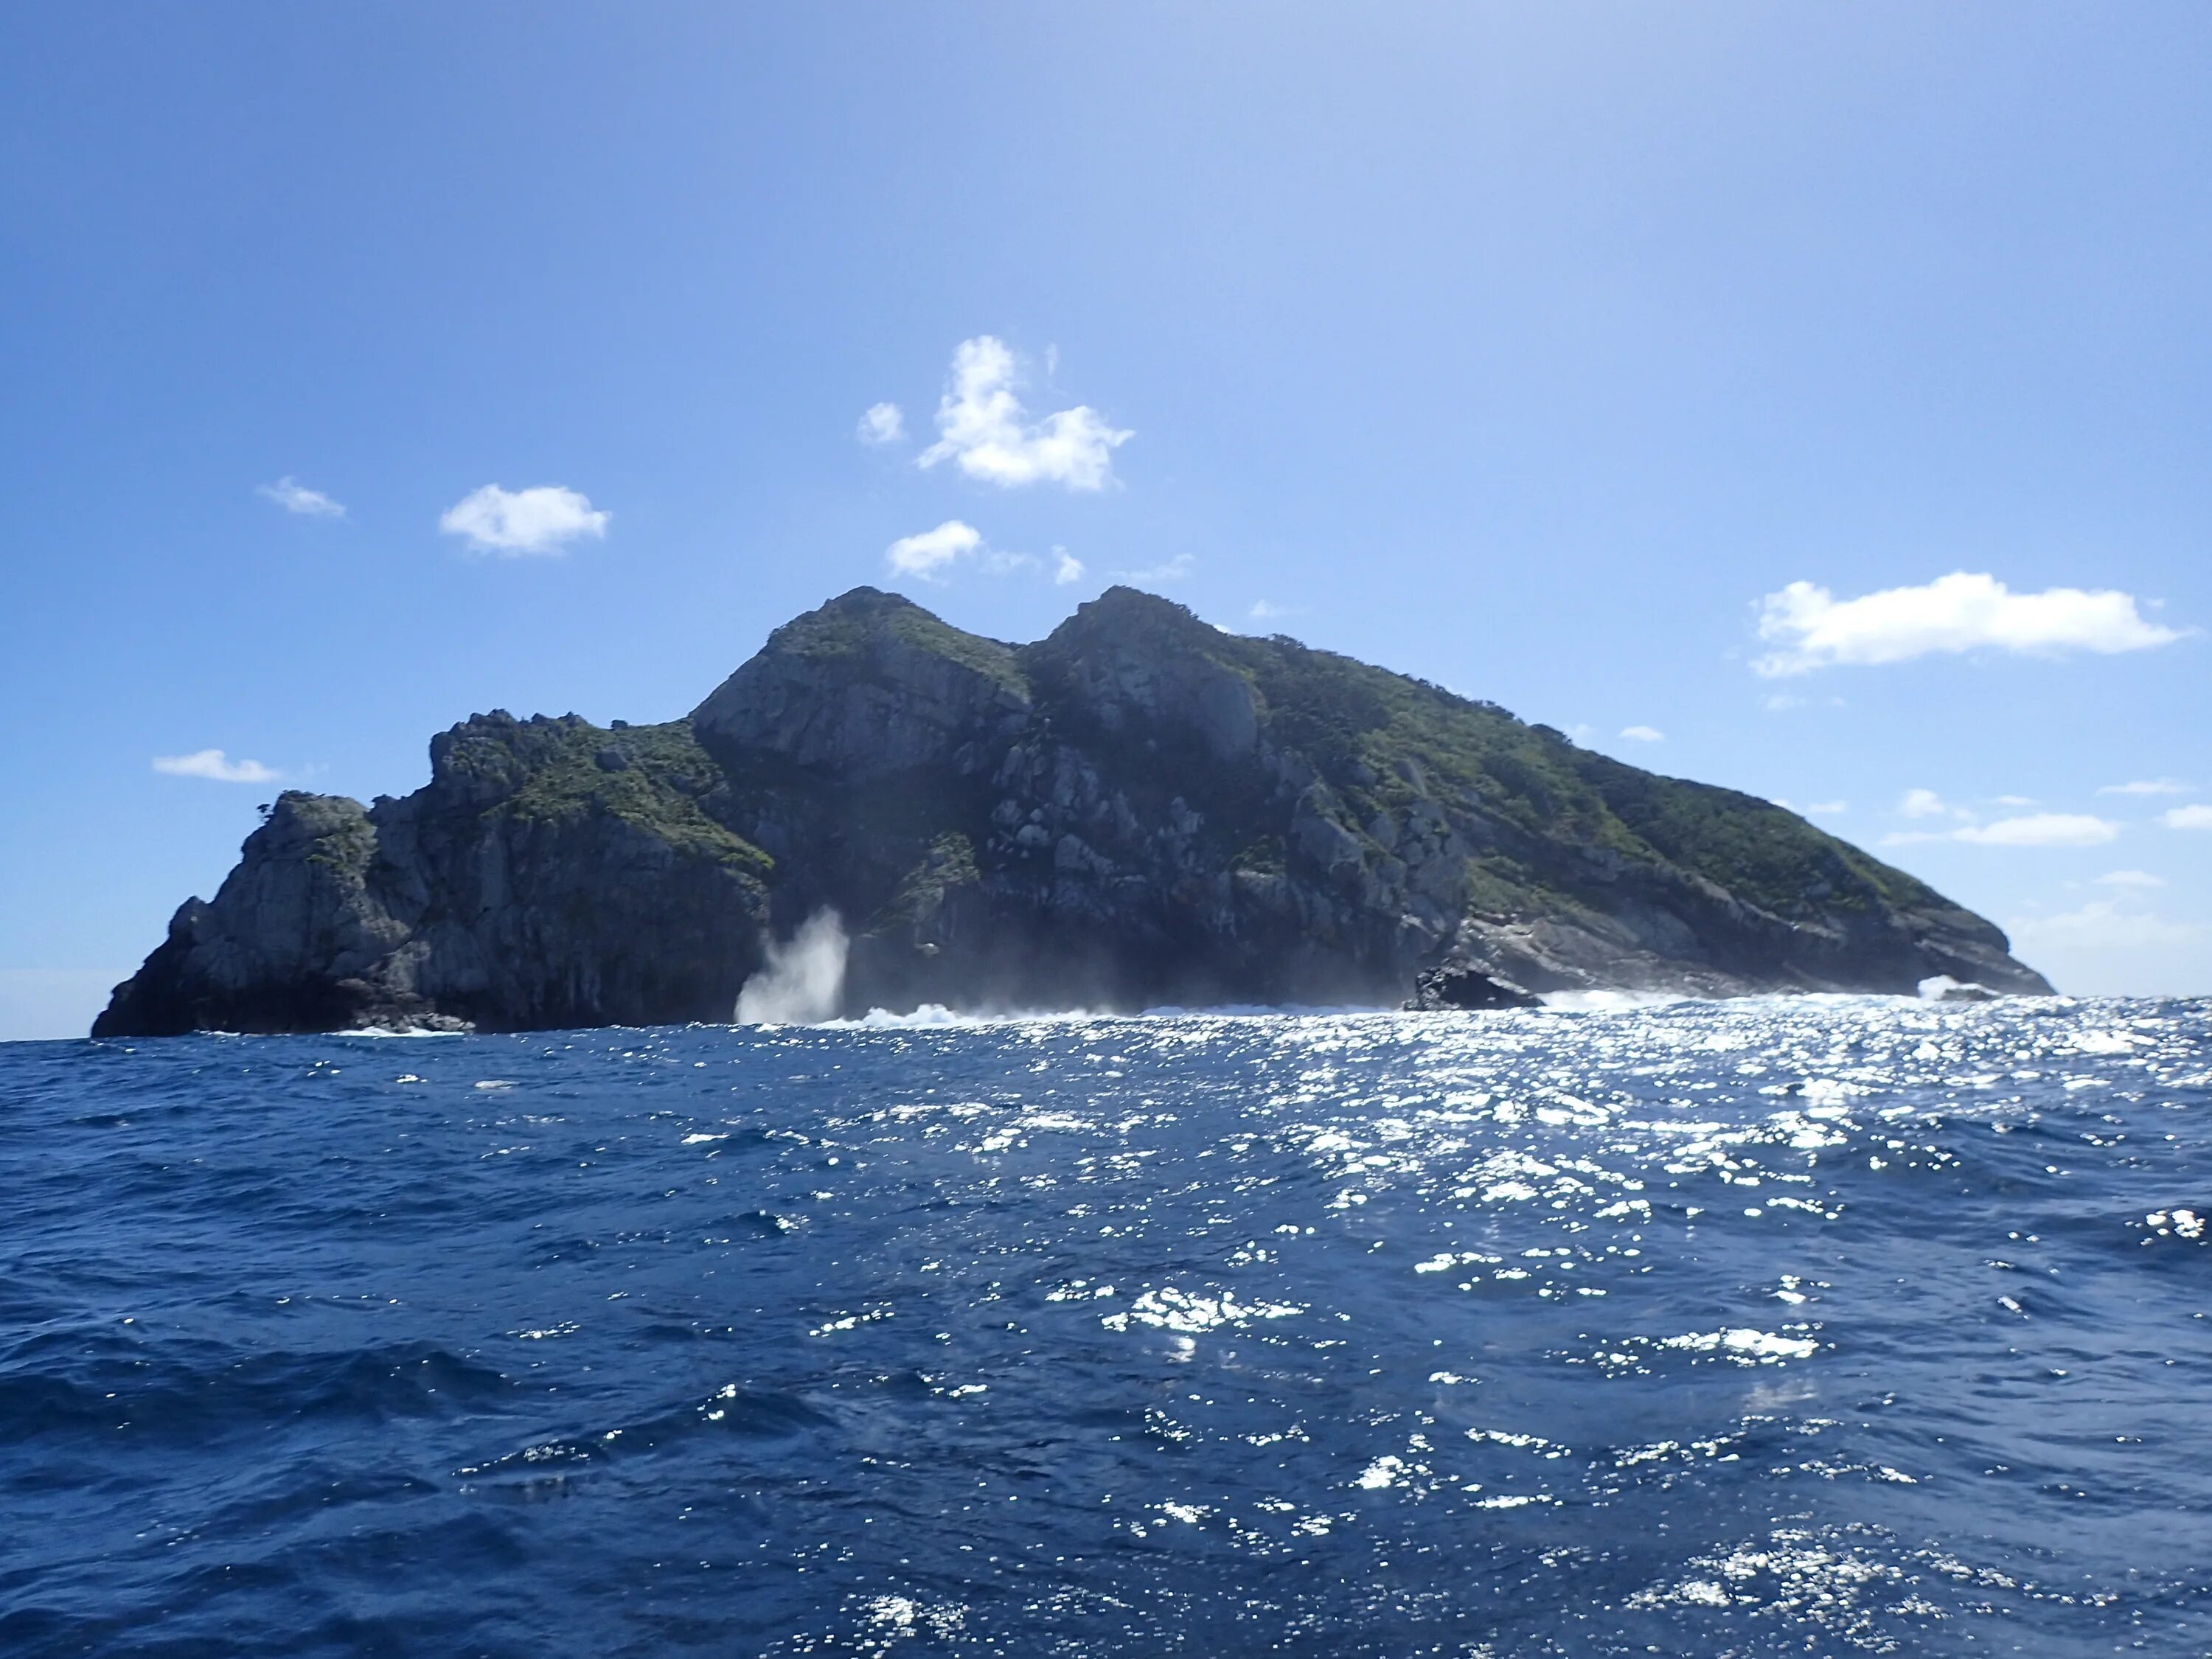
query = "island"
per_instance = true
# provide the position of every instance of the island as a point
(1139, 811)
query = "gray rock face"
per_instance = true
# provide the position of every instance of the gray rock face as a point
(868, 686)
(1137, 809)
(528, 885)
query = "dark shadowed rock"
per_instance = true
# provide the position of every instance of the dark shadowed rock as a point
(1462, 985)
(1137, 809)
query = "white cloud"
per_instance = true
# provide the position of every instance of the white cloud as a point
(928, 553)
(882, 424)
(2099, 925)
(214, 763)
(1925, 804)
(1173, 570)
(2146, 787)
(1643, 734)
(1953, 613)
(933, 555)
(1830, 808)
(2129, 878)
(1269, 610)
(984, 430)
(2015, 800)
(296, 497)
(1781, 702)
(543, 519)
(2186, 818)
(2041, 830)
(2036, 829)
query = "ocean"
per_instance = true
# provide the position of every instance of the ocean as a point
(1820, 1326)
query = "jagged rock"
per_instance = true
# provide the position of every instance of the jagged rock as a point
(1461, 985)
(1137, 809)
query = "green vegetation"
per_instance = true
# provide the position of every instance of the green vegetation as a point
(843, 630)
(1758, 850)
(345, 841)
(652, 776)
(1266, 856)
(949, 863)
(1383, 741)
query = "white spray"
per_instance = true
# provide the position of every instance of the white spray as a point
(803, 981)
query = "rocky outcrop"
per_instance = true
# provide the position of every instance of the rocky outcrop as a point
(1462, 987)
(1137, 809)
(550, 874)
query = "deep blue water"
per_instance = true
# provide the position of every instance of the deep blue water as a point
(1815, 1326)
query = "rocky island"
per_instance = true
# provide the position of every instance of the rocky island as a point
(1138, 809)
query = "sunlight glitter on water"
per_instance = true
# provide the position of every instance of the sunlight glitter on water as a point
(1845, 1325)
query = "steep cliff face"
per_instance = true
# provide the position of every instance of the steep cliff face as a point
(550, 874)
(1137, 809)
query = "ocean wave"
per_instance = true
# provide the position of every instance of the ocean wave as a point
(1837, 1325)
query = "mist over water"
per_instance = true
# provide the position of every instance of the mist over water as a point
(802, 981)
(1820, 1326)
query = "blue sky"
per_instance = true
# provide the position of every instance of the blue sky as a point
(1549, 351)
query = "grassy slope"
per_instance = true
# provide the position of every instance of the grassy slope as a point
(550, 771)
(1359, 725)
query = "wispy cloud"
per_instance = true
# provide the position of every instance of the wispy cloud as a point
(2035, 829)
(2129, 878)
(1643, 734)
(294, 497)
(933, 555)
(882, 424)
(1829, 808)
(1927, 803)
(214, 765)
(2099, 925)
(1269, 610)
(516, 523)
(1782, 702)
(1956, 613)
(928, 553)
(2187, 818)
(1172, 570)
(2041, 830)
(2146, 787)
(983, 430)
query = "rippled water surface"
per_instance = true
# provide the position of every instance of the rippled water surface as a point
(1817, 1327)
